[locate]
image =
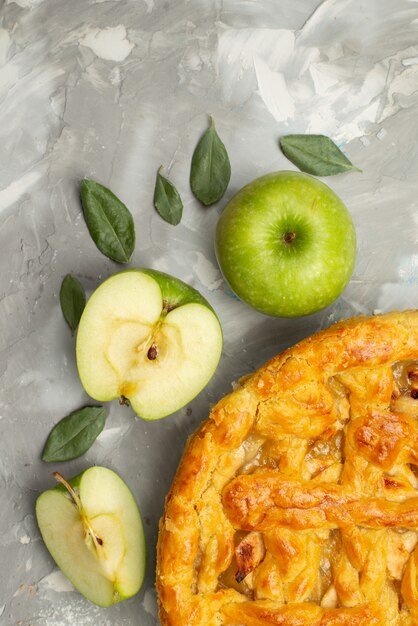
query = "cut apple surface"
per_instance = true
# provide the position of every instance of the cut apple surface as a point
(149, 338)
(93, 529)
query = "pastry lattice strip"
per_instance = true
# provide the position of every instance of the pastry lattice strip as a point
(273, 500)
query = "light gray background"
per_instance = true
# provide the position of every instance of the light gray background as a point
(112, 89)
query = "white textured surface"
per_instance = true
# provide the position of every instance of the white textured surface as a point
(108, 43)
(111, 89)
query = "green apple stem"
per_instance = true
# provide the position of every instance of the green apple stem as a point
(97, 541)
(167, 308)
(289, 237)
(70, 490)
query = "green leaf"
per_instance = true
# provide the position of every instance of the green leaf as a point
(315, 154)
(110, 223)
(167, 200)
(210, 170)
(73, 300)
(74, 434)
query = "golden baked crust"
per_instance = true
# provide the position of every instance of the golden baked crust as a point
(296, 502)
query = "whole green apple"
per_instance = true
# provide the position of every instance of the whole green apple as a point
(286, 244)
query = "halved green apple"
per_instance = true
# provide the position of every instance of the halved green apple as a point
(149, 338)
(92, 527)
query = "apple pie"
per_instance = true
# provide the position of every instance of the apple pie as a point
(296, 502)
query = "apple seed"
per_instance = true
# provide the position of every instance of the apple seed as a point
(152, 352)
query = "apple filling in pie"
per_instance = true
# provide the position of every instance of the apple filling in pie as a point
(296, 502)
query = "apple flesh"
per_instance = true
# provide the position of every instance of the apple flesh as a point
(92, 528)
(286, 244)
(149, 338)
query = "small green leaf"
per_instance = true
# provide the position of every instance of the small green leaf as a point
(315, 154)
(167, 200)
(110, 223)
(74, 434)
(73, 300)
(210, 170)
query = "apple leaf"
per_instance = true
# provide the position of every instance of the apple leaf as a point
(167, 200)
(74, 434)
(73, 300)
(210, 170)
(315, 154)
(110, 223)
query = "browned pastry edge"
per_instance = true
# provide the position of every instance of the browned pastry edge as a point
(357, 342)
